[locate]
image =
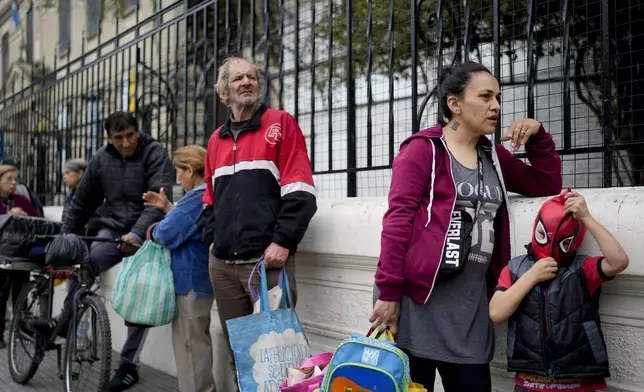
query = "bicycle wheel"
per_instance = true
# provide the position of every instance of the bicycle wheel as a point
(32, 302)
(90, 343)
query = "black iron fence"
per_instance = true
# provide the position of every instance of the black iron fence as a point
(358, 75)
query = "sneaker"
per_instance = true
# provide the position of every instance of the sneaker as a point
(125, 378)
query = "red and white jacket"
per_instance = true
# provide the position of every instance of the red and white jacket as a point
(259, 186)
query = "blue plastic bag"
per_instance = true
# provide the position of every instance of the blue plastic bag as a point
(144, 289)
(266, 344)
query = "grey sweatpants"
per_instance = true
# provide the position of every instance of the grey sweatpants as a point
(106, 255)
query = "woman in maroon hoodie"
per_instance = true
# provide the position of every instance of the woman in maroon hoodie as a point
(444, 242)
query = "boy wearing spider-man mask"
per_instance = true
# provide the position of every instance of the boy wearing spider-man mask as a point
(550, 297)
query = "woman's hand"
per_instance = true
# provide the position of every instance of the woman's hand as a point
(158, 200)
(385, 314)
(17, 211)
(520, 131)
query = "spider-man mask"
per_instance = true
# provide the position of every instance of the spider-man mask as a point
(556, 233)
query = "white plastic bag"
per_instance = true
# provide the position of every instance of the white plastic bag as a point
(274, 299)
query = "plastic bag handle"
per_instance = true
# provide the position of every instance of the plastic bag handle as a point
(375, 333)
(148, 232)
(254, 294)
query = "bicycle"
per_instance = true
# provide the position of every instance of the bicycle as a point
(79, 345)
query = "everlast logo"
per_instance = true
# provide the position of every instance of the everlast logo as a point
(452, 246)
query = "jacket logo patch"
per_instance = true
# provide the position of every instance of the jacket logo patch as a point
(273, 134)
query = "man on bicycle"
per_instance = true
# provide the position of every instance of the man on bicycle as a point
(111, 194)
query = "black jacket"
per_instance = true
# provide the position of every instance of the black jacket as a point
(568, 314)
(113, 188)
(93, 226)
(68, 202)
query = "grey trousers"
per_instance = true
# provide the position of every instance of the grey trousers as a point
(192, 343)
(106, 255)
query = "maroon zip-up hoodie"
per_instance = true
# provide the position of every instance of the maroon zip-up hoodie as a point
(421, 199)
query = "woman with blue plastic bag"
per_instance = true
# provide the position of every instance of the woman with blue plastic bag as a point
(178, 232)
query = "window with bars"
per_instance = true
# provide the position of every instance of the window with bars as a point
(64, 26)
(29, 44)
(128, 6)
(5, 58)
(94, 15)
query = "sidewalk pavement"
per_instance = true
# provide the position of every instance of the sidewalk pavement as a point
(46, 379)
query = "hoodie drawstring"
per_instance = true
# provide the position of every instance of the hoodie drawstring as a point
(431, 188)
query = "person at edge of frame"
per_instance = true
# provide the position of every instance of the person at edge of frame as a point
(24, 190)
(11, 203)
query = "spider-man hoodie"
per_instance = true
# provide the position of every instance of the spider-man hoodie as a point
(259, 186)
(421, 199)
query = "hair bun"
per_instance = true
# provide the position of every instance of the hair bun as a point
(445, 72)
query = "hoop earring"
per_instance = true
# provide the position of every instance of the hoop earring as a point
(455, 125)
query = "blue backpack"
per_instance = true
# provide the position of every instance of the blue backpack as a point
(362, 364)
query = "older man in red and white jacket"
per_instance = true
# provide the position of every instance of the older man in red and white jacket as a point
(260, 195)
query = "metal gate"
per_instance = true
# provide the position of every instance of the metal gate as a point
(357, 75)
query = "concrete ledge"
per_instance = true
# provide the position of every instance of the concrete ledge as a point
(353, 226)
(338, 257)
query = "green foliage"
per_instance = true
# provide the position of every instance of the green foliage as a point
(379, 44)
(513, 15)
